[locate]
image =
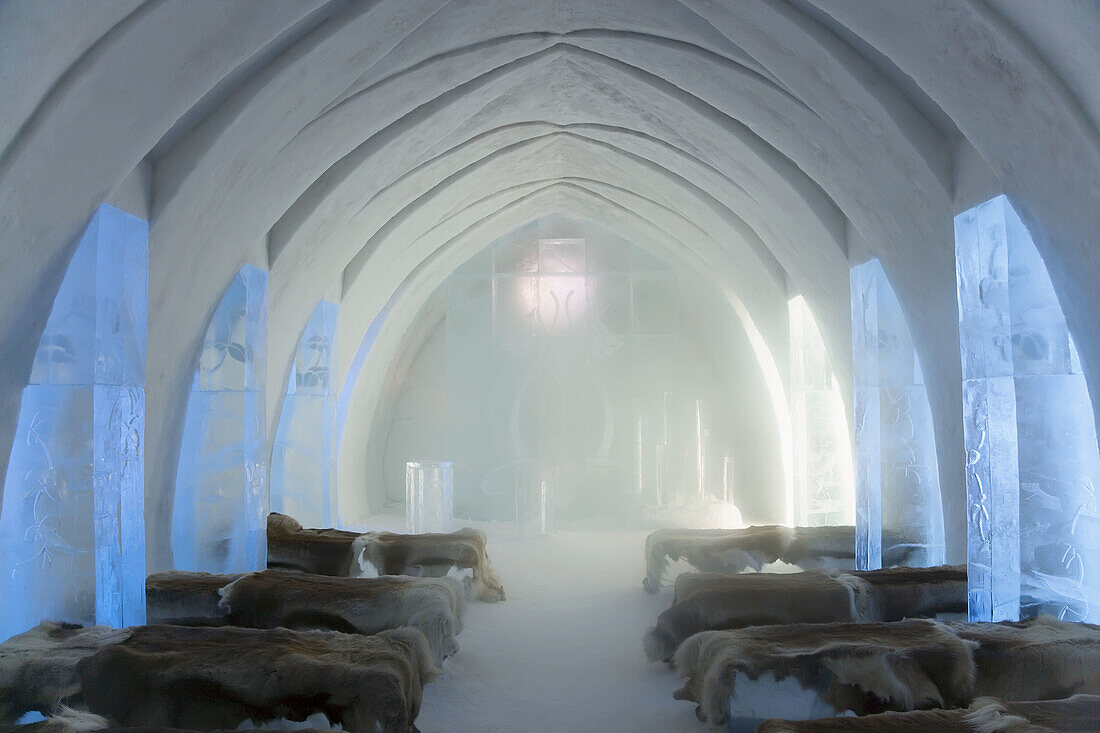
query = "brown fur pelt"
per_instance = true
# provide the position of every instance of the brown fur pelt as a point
(272, 598)
(874, 666)
(186, 598)
(208, 678)
(38, 667)
(715, 601)
(433, 553)
(1039, 659)
(320, 551)
(1078, 714)
(733, 551)
(714, 550)
(898, 593)
(718, 601)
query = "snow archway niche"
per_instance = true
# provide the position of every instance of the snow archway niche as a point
(897, 483)
(571, 358)
(1031, 455)
(218, 519)
(72, 532)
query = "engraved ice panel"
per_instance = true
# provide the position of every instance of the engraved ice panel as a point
(1032, 461)
(823, 484)
(303, 459)
(220, 501)
(899, 512)
(72, 537)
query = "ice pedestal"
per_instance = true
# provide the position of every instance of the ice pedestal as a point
(219, 517)
(303, 458)
(1032, 462)
(72, 535)
(897, 478)
(429, 496)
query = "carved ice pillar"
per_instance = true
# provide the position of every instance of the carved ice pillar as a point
(72, 532)
(1032, 463)
(303, 461)
(218, 522)
(822, 449)
(899, 516)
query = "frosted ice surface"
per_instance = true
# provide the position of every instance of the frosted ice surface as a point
(1032, 462)
(429, 496)
(218, 522)
(823, 483)
(303, 459)
(72, 536)
(898, 504)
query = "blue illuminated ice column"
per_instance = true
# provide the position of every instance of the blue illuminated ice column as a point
(1033, 530)
(219, 515)
(303, 461)
(72, 531)
(899, 517)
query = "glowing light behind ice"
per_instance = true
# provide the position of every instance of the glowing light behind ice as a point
(823, 487)
(565, 386)
(1031, 454)
(72, 534)
(218, 522)
(303, 459)
(897, 481)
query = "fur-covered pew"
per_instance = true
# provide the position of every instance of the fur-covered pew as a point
(320, 551)
(735, 550)
(1078, 714)
(38, 667)
(901, 592)
(186, 598)
(1039, 659)
(209, 678)
(874, 666)
(432, 554)
(356, 605)
(716, 601)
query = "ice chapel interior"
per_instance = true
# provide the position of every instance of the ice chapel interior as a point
(541, 365)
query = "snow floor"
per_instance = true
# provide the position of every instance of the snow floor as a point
(564, 651)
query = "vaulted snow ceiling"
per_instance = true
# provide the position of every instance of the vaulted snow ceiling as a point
(358, 149)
